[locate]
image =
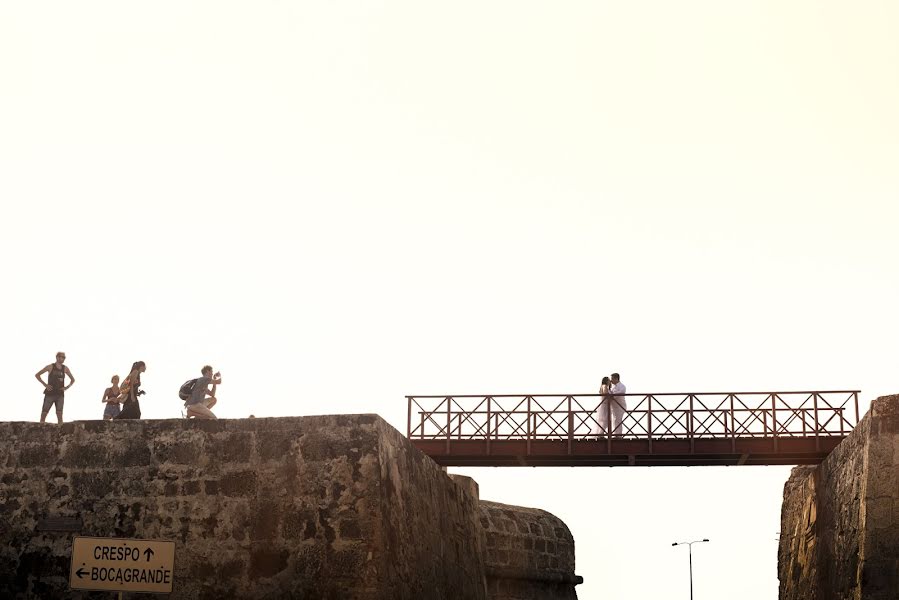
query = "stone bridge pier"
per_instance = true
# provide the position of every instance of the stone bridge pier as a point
(839, 537)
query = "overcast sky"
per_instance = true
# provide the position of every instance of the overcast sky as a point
(341, 203)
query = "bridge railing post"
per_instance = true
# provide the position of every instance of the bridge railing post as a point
(774, 418)
(804, 413)
(489, 426)
(449, 422)
(690, 427)
(570, 425)
(733, 426)
(817, 424)
(649, 421)
(528, 427)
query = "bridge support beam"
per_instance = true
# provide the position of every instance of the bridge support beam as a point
(628, 452)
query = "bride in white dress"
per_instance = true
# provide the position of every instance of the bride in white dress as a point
(601, 427)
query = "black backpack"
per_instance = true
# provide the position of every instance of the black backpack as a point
(187, 389)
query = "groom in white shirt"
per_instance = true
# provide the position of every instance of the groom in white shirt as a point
(618, 405)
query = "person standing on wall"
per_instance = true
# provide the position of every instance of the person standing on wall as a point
(619, 405)
(130, 391)
(111, 398)
(55, 387)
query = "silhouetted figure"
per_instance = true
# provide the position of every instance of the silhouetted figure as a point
(111, 398)
(130, 391)
(55, 387)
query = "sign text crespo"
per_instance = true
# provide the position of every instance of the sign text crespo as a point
(126, 565)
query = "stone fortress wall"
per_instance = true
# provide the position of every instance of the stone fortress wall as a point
(840, 520)
(300, 507)
(529, 554)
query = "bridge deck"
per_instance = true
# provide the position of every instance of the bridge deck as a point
(628, 452)
(750, 428)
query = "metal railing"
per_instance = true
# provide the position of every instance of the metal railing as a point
(583, 417)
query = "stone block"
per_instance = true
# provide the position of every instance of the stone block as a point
(267, 562)
(92, 484)
(231, 448)
(276, 446)
(265, 521)
(349, 530)
(131, 453)
(37, 455)
(178, 451)
(300, 525)
(886, 411)
(879, 513)
(317, 446)
(240, 483)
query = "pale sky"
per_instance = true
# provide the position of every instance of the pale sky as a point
(341, 203)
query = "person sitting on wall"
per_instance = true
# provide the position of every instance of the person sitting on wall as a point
(201, 399)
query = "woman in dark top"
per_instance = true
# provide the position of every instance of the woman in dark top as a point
(111, 398)
(130, 391)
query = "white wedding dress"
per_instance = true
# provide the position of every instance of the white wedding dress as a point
(601, 426)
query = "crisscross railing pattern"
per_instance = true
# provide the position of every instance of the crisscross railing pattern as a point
(665, 416)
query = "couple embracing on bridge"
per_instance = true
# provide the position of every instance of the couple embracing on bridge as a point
(612, 392)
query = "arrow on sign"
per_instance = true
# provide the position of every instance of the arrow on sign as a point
(148, 553)
(81, 573)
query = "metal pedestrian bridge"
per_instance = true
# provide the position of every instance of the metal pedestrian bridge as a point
(675, 429)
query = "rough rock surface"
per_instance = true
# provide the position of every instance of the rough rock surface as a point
(320, 507)
(308, 507)
(529, 554)
(840, 520)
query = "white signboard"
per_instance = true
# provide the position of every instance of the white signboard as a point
(122, 565)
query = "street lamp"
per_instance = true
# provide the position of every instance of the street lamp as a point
(690, 546)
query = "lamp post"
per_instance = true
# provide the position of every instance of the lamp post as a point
(690, 547)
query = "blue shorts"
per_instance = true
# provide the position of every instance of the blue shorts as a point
(112, 410)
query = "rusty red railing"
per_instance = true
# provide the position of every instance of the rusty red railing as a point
(575, 418)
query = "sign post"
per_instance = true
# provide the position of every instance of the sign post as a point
(122, 565)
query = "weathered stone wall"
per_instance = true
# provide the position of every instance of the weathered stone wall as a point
(529, 554)
(311, 507)
(840, 520)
